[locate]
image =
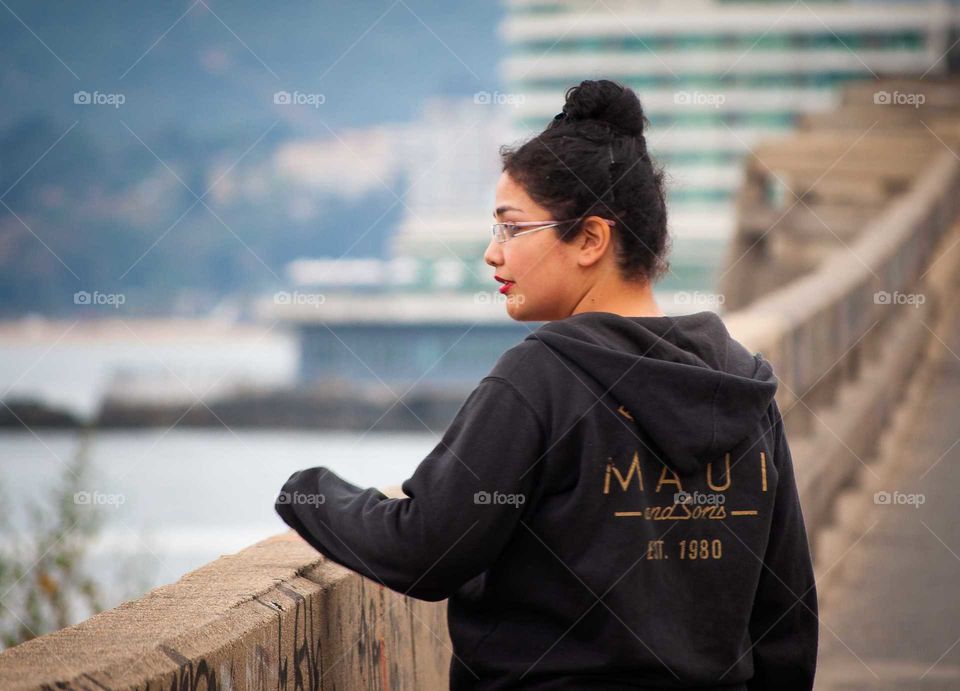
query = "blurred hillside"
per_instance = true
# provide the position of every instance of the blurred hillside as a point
(199, 184)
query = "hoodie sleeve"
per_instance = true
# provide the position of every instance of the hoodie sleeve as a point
(784, 623)
(463, 501)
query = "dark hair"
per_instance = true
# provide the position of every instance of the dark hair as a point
(592, 160)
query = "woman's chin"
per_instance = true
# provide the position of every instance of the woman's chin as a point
(519, 309)
(515, 307)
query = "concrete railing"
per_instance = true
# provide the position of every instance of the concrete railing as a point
(823, 318)
(277, 615)
(846, 333)
(843, 347)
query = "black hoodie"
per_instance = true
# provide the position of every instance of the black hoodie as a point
(613, 507)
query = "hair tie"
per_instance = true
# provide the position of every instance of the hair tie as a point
(559, 116)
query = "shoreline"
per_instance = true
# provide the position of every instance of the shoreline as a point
(34, 329)
(331, 407)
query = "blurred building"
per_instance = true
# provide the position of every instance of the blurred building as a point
(714, 77)
(451, 163)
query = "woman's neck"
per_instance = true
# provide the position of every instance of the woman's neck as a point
(626, 298)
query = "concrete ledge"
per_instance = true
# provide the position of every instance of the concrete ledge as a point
(854, 502)
(844, 435)
(829, 314)
(821, 316)
(274, 615)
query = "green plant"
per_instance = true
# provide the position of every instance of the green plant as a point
(42, 575)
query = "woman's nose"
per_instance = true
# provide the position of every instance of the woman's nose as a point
(492, 254)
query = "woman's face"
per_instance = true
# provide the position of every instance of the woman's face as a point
(540, 265)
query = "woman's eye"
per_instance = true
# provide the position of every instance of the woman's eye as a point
(510, 228)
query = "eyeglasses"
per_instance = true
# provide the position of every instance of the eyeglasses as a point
(507, 231)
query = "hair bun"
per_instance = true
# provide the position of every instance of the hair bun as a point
(608, 102)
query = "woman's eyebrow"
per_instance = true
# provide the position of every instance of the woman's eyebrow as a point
(503, 209)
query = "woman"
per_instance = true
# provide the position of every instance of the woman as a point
(614, 505)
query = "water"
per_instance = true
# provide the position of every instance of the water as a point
(173, 500)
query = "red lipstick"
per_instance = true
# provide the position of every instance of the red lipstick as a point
(506, 284)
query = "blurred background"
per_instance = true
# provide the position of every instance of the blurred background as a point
(239, 239)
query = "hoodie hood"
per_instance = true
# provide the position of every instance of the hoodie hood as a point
(693, 390)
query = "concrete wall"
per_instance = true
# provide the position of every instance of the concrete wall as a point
(843, 355)
(272, 616)
(861, 241)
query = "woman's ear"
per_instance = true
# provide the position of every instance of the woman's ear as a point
(594, 239)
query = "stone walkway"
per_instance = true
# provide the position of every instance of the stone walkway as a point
(891, 613)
